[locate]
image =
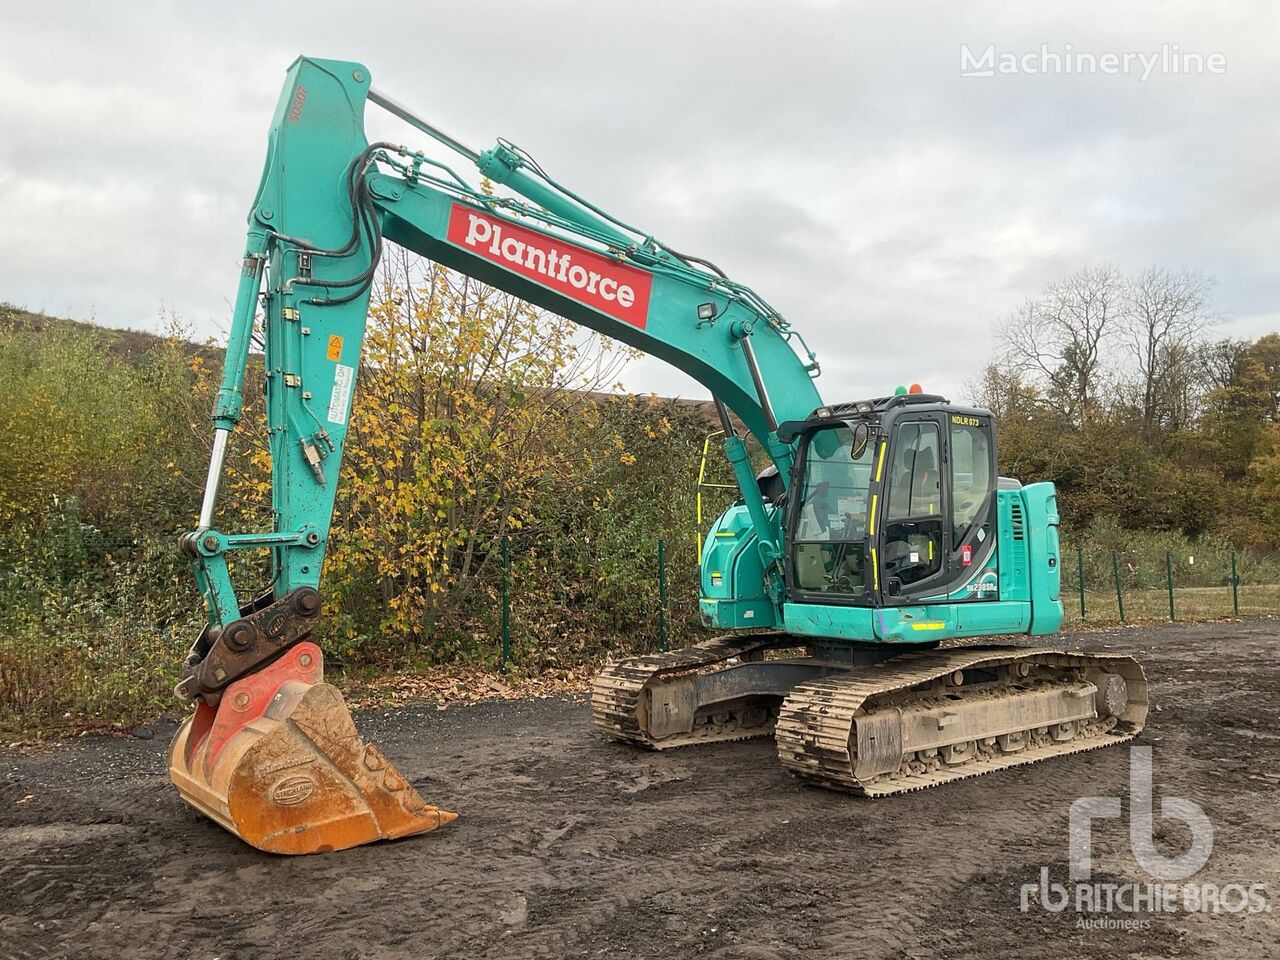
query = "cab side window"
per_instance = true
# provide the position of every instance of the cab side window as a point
(914, 533)
(914, 490)
(970, 477)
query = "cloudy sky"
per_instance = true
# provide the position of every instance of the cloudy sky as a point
(829, 154)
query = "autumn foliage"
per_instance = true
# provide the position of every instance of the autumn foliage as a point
(479, 419)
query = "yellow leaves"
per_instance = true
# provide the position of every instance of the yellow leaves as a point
(460, 422)
(628, 459)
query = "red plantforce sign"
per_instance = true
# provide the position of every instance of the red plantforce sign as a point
(580, 274)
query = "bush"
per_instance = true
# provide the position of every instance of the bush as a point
(93, 653)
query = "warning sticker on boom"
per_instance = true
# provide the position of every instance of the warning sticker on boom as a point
(343, 377)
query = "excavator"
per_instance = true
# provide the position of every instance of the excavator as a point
(847, 579)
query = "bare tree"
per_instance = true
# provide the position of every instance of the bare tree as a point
(1059, 338)
(1165, 315)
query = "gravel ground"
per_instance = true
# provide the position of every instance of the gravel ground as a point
(572, 846)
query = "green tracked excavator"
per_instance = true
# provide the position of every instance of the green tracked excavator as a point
(842, 577)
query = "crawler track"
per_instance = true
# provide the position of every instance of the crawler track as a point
(817, 730)
(1018, 705)
(617, 694)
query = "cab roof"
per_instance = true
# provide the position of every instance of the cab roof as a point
(874, 409)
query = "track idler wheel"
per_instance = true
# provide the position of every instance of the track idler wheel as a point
(279, 763)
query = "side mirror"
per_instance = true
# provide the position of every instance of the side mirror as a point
(861, 437)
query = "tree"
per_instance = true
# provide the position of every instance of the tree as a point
(1264, 472)
(1005, 394)
(1058, 339)
(1238, 414)
(1266, 353)
(470, 402)
(1221, 362)
(1165, 316)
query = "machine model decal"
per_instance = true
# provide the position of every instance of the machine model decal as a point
(987, 585)
(583, 275)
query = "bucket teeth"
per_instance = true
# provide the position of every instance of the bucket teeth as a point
(282, 767)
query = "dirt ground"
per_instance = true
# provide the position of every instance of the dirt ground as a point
(572, 846)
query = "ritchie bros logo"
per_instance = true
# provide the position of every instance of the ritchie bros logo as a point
(590, 278)
(1130, 905)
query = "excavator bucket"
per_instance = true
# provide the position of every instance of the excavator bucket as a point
(279, 763)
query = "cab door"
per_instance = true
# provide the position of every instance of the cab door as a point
(912, 540)
(971, 452)
(935, 539)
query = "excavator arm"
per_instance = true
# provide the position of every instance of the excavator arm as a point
(327, 202)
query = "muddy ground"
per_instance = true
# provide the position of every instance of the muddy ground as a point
(571, 846)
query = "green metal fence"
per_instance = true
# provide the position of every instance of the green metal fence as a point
(1099, 586)
(1102, 585)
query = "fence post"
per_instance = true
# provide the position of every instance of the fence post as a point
(1235, 586)
(1168, 570)
(506, 601)
(662, 595)
(1115, 572)
(1080, 577)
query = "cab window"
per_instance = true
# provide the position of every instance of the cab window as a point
(831, 525)
(833, 504)
(914, 490)
(913, 530)
(970, 477)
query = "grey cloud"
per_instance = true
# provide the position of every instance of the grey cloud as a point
(827, 153)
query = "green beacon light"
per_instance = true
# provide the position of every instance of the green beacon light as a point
(899, 390)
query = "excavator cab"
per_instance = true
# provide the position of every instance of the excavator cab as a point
(894, 502)
(896, 534)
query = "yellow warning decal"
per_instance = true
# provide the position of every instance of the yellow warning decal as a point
(928, 625)
(334, 352)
